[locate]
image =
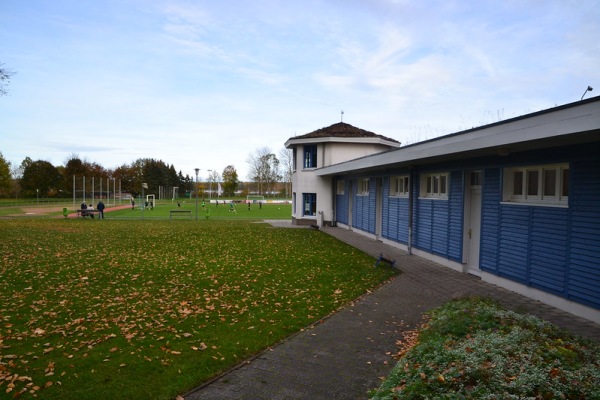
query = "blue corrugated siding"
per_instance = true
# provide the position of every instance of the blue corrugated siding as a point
(341, 206)
(548, 259)
(514, 242)
(553, 249)
(363, 213)
(341, 210)
(490, 220)
(439, 223)
(372, 206)
(423, 223)
(583, 284)
(385, 220)
(439, 231)
(456, 219)
(396, 214)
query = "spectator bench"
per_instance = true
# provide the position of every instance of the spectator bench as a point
(182, 212)
(86, 212)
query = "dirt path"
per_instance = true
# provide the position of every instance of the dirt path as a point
(44, 211)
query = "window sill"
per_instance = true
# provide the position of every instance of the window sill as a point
(533, 204)
(433, 198)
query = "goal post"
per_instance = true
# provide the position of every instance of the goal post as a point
(150, 201)
(255, 199)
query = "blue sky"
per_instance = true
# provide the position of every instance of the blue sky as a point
(205, 83)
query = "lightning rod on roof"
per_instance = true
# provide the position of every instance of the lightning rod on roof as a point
(342, 117)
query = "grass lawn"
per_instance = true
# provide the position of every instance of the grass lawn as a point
(138, 309)
(208, 212)
(160, 211)
(474, 349)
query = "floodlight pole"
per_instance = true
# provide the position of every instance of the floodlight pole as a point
(142, 204)
(209, 185)
(197, 171)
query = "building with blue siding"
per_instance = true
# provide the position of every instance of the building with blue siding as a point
(516, 202)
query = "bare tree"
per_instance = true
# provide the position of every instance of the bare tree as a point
(286, 159)
(255, 162)
(5, 75)
(214, 178)
(264, 169)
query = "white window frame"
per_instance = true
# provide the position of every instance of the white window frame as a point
(313, 159)
(363, 187)
(399, 186)
(308, 211)
(542, 185)
(340, 187)
(435, 185)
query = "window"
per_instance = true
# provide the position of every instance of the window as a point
(434, 185)
(294, 203)
(363, 188)
(309, 201)
(399, 186)
(310, 156)
(475, 178)
(294, 159)
(341, 185)
(540, 184)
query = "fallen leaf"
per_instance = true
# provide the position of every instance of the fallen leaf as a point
(39, 331)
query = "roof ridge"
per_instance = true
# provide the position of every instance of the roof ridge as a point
(343, 129)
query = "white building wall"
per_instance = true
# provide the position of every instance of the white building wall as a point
(334, 153)
(306, 180)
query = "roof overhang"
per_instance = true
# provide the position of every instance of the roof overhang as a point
(575, 123)
(352, 140)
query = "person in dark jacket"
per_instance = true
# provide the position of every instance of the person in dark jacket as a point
(100, 208)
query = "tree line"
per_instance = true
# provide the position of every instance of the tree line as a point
(41, 178)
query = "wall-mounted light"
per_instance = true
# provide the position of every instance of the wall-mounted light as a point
(589, 89)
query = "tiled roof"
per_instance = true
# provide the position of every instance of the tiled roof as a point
(344, 130)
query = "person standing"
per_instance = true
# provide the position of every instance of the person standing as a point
(100, 208)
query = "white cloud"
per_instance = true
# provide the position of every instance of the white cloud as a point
(202, 84)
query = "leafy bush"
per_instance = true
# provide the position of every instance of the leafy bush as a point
(474, 349)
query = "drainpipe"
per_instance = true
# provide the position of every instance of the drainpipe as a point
(411, 191)
(334, 205)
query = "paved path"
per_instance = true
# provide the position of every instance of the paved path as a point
(347, 354)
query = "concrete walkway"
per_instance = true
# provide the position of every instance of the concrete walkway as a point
(346, 355)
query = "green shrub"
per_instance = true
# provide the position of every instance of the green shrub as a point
(474, 349)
